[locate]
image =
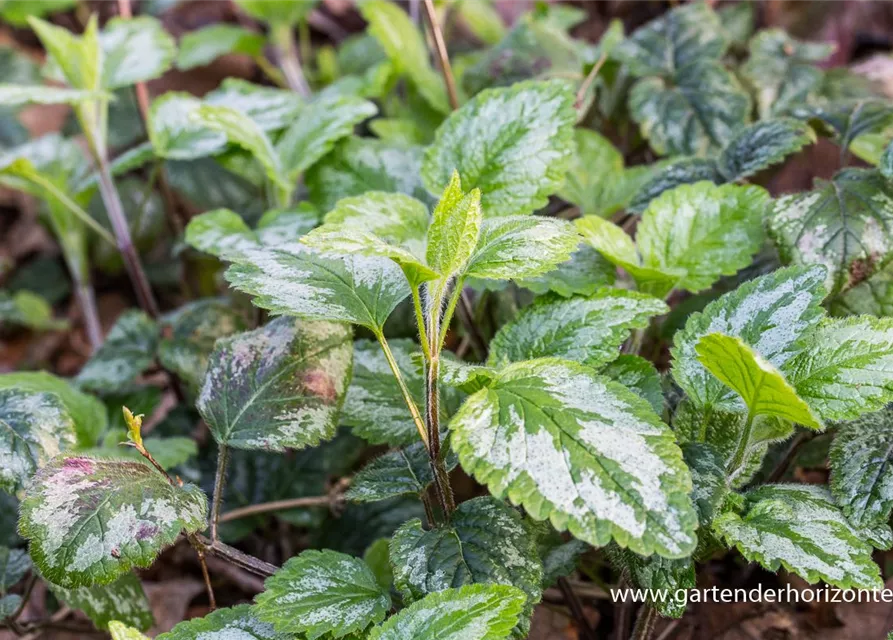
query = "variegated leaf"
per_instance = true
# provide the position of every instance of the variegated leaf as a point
(14, 564)
(128, 350)
(322, 592)
(406, 471)
(269, 108)
(639, 376)
(134, 50)
(655, 573)
(173, 132)
(278, 387)
(90, 521)
(123, 600)
(202, 46)
(583, 274)
(236, 623)
(587, 330)
(800, 528)
(581, 450)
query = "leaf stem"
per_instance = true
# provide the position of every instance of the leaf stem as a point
(289, 60)
(407, 396)
(334, 498)
(645, 623)
(588, 80)
(448, 314)
(87, 302)
(420, 321)
(445, 68)
(69, 204)
(743, 445)
(219, 483)
(241, 559)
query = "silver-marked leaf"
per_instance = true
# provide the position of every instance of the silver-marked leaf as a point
(843, 224)
(885, 164)
(485, 542)
(278, 387)
(14, 564)
(850, 119)
(465, 376)
(581, 450)
(783, 70)
(763, 388)
(862, 468)
(772, 314)
(847, 368)
(316, 129)
(658, 573)
(687, 34)
(134, 50)
(800, 528)
(521, 247)
(583, 274)
(128, 350)
(737, 21)
(559, 558)
(123, 600)
(173, 132)
(34, 427)
(761, 145)
(374, 407)
(873, 296)
(13, 95)
(455, 228)
(320, 592)
(586, 330)
(695, 112)
(9, 604)
(236, 623)
(291, 279)
(269, 108)
(708, 478)
(203, 46)
(639, 376)
(90, 521)
(406, 471)
(472, 612)
(514, 144)
(673, 174)
(358, 165)
(89, 414)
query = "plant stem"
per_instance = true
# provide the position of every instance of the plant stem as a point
(743, 444)
(573, 603)
(87, 302)
(70, 204)
(420, 321)
(280, 505)
(219, 483)
(466, 317)
(588, 80)
(201, 560)
(645, 623)
(407, 396)
(289, 60)
(448, 314)
(251, 564)
(445, 68)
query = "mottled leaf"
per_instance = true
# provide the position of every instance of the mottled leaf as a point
(236, 623)
(13, 95)
(34, 427)
(654, 572)
(581, 450)
(123, 600)
(639, 376)
(270, 108)
(175, 134)
(800, 528)
(514, 144)
(850, 119)
(128, 350)
(134, 50)
(708, 478)
(587, 330)
(585, 273)
(201, 47)
(673, 174)
(90, 521)
(14, 564)
(278, 387)
(320, 592)
(761, 145)
(406, 471)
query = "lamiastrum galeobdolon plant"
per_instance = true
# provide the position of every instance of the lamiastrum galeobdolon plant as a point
(394, 202)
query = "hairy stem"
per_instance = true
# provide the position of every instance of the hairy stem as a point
(420, 321)
(289, 60)
(219, 483)
(645, 623)
(743, 445)
(407, 396)
(445, 68)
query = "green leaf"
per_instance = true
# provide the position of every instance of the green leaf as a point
(294, 280)
(377, 557)
(737, 21)
(583, 274)
(687, 34)
(514, 144)
(849, 118)
(406, 471)
(843, 224)
(168, 452)
(406, 49)
(782, 70)
(270, 108)
(800, 528)
(34, 427)
(472, 612)
(321, 592)
(14, 564)
(17, 12)
(175, 134)
(128, 350)
(276, 12)
(873, 296)
(861, 471)
(455, 228)
(358, 165)
(694, 112)
(90, 521)
(134, 50)
(374, 407)
(12, 95)
(223, 233)
(847, 368)
(485, 542)
(483, 20)
(26, 309)
(559, 558)
(762, 145)
(772, 314)
(278, 387)
(671, 175)
(602, 192)
(88, 413)
(121, 631)
(762, 387)
(9, 604)
(316, 129)
(885, 165)
(658, 573)
(201, 47)
(238, 622)
(521, 247)
(78, 59)
(586, 330)
(639, 376)
(123, 600)
(581, 450)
